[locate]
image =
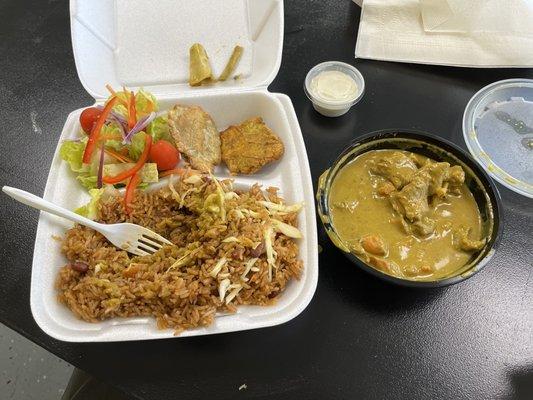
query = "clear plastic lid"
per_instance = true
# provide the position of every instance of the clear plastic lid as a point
(498, 130)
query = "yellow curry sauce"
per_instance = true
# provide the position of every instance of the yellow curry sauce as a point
(405, 214)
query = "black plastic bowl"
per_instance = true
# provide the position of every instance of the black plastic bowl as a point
(480, 184)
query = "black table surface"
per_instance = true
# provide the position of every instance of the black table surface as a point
(359, 337)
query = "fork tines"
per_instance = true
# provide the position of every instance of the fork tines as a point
(151, 243)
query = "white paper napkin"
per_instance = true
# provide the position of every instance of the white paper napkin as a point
(468, 33)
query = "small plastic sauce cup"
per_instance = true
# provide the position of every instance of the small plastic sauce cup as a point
(334, 108)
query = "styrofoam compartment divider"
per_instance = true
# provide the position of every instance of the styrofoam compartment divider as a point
(228, 105)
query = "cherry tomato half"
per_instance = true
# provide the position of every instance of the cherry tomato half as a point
(88, 118)
(164, 155)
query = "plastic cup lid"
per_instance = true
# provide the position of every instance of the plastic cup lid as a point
(498, 130)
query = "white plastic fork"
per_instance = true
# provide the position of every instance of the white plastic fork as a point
(133, 238)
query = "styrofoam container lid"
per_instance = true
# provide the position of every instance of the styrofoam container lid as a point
(498, 130)
(145, 43)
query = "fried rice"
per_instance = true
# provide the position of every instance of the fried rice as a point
(230, 248)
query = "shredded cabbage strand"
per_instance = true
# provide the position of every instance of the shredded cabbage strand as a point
(271, 253)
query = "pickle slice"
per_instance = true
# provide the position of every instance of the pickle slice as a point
(232, 63)
(199, 68)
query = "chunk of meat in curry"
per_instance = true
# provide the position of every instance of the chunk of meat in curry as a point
(406, 214)
(411, 201)
(398, 168)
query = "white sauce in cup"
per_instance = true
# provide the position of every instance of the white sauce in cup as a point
(334, 86)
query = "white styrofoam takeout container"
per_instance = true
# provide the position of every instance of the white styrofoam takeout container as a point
(104, 49)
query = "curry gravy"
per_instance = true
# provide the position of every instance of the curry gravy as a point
(424, 241)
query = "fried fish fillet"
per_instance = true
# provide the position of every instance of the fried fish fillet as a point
(196, 136)
(247, 147)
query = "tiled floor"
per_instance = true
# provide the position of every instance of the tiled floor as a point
(28, 371)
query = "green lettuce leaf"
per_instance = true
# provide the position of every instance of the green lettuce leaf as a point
(145, 103)
(137, 145)
(111, 132)
(159, 129)
(121, 109)
(114, 144)
(90, 210)
(89, 181)
(72, 153)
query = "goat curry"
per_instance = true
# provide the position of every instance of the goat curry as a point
(405, 214)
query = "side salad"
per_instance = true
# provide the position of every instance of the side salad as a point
(125, 142)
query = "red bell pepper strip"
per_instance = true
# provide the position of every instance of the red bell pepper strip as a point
(138, 165)
(132, 113)
(130, 191)
(95, 132)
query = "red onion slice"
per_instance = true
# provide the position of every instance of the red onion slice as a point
(118, 117)
(139, 126)
(112, 118)
(99, 178)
